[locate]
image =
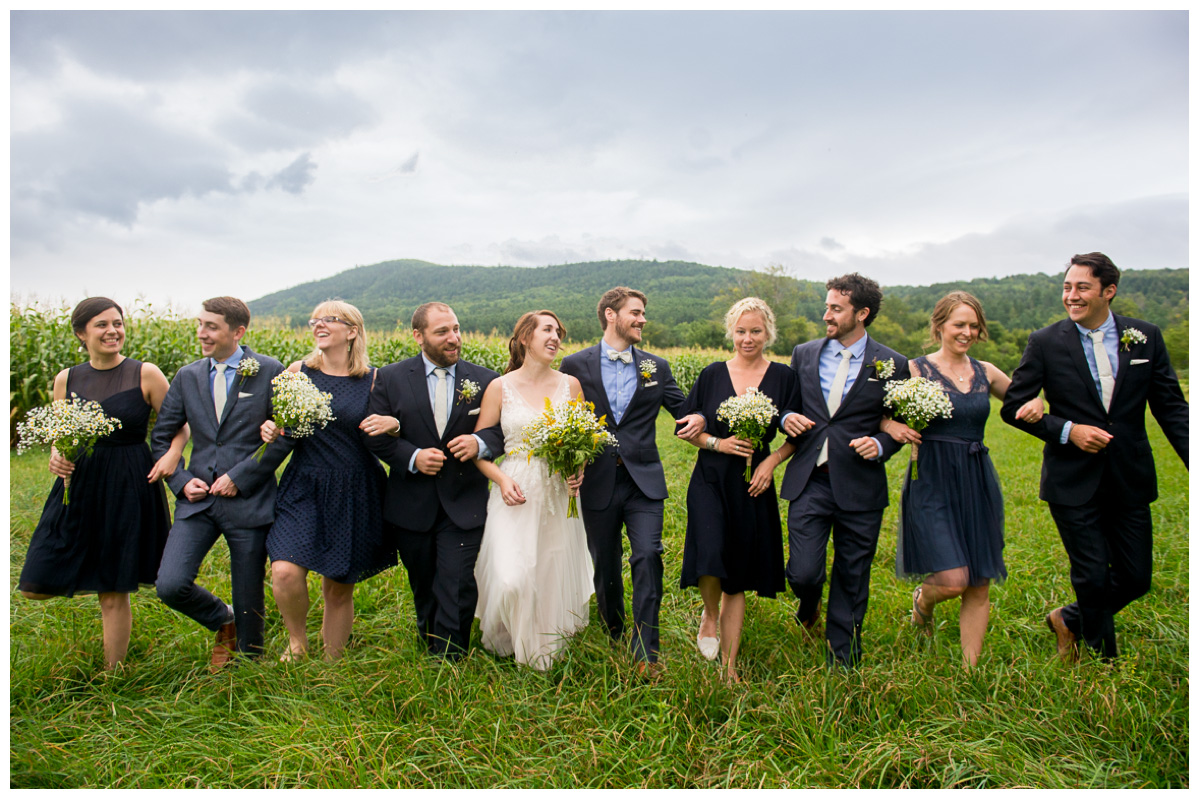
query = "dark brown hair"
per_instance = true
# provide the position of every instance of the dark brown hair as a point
(1101, 266)
(235, 312)
(89, 308)
(525, 326)
(864, 293)
(615, 299)
(945, 307)
(420, 318)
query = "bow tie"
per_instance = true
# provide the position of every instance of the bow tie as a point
(626, 356)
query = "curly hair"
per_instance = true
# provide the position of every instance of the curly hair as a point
(863, 292)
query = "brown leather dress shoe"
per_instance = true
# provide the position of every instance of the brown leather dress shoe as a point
(226, 643)
(812, 625)
(650, 671)
(1067, 642)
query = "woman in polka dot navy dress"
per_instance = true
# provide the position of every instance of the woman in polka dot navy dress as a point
(329, 510)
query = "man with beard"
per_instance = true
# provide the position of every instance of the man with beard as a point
(836, 479)
(421, 420)
(625, 486)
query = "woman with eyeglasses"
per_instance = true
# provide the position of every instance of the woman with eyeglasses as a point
(329, 510)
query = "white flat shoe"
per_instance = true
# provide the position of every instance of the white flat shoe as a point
(709, 646)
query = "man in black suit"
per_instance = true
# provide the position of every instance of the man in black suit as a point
(1099, 371)
(421, 420)
(223, 398)
(836, 478)
(625, 486)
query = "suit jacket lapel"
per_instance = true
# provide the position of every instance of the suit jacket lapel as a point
(866, 371)
(1074, 349)
(204, 390)
(1123, 357)
(812, 377)
(462, 372)
(420, 393)
(235, 391)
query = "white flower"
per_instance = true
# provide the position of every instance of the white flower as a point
(248, 367)
(468, 390)
(72, 425)
(647, 368)
(748, 416)
(885, 369)
(918, 400)
(1132, 336)
(298, 406)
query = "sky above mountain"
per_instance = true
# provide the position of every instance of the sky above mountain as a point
(177, 155)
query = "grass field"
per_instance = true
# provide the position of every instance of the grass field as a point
(386, 716)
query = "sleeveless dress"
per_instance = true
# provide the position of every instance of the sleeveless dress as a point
(731, 535)
(329, 509)
(952, 516)
(111, 536)
(534, 571)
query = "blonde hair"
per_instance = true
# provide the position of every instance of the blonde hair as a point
(945, 307)
(755, 305)
(357, 358)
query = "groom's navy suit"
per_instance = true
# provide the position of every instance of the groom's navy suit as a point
(439, 518)
(1100, 501)
(848, 493)
(220, 447)
(625, 486)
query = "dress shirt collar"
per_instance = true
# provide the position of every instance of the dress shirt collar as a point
(1109, 325)
(233, 359)
(605, 347)
(430, 366)
(856, 350)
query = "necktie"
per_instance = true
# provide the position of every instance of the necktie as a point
(626, 356)
(1103, 366)
(220, 390)
(835, 399)
(439, 399)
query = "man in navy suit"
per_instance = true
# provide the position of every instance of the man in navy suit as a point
(1099, 371)
(223, 398)
(625, 485)
(421, 422)
(836, 479)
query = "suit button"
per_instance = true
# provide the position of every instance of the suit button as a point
(219, 444)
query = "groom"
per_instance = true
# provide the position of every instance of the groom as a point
(421, 422)
(223, 398)
(625, 486)
(1099, 372)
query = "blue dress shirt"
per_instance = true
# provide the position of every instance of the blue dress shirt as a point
(827, 367)
(1112, 343)
(451, 393)
(230, 373)
(619, 379)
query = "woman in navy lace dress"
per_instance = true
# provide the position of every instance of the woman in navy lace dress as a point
(109, 539)
(952, 516)
(329, 510)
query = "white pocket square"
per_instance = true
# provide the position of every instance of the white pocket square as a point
(473, 412)
(1136, 361)
(648, 385)
(872, 380)
(245, 394)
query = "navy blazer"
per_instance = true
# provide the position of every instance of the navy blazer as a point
(459, 487)
(636, 433)
(857, 484)
(226, 445)
(1054, 360)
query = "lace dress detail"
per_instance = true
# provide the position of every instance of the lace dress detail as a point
(952, 516)
(534, 571)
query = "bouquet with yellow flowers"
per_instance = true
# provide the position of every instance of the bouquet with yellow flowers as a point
(568, 436)
(72, 425)
(298, 406)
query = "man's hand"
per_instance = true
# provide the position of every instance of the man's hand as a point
(796, 424)
(865, 446)
(195, 490)
(464, 448)
(692, 424)
(430, 460)
(223, 487)
(1089, 438)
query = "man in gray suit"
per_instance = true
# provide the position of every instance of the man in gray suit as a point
(223, 398)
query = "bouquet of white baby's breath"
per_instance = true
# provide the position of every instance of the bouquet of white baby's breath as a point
(568, 436)
(298, 407)
(72, 425)
(919, 401)
(749, 416)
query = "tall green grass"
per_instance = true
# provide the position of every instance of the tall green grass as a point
(387, 716)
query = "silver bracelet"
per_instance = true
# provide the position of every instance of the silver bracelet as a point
(712, 443)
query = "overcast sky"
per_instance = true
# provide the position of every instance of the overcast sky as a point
(183, 155)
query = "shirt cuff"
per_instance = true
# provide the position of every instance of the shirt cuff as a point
(484, 452)
(412, 463)
(878, 447)
(1066, 432)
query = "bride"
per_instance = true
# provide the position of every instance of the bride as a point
(534, 571)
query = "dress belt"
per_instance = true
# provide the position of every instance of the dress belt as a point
(974, 446)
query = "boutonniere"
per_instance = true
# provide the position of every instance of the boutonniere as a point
(647, 368)
(885, 369)
(468, 390)
(1132, 336)
(246, 368)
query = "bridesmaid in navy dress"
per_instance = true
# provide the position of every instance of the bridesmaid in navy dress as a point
(110, 538)
(734, 539)
(329, 510)
(952, 516)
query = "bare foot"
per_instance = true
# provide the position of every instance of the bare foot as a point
(293, 653)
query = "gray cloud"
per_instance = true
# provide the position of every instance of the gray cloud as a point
(295, 177)
(280, 115)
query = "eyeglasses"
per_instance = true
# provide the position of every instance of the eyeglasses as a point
(312, 323)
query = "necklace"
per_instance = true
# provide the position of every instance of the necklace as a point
(961, 379)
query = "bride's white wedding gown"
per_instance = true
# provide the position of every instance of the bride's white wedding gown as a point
(534, 571)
